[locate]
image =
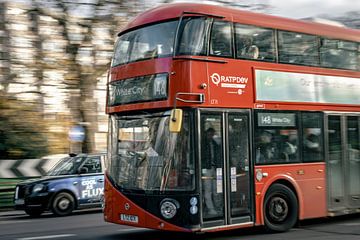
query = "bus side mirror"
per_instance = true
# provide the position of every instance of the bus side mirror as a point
(175, 120)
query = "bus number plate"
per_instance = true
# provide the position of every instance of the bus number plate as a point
(129, 218)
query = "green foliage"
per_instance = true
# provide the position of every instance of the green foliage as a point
(21, 130)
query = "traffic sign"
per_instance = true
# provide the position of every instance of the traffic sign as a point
(77, 134)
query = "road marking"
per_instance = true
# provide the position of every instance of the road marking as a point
(12, 222)
(133, 229)
(48, 237)
(350, 224)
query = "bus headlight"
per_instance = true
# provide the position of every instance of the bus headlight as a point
(38, 187)
(193, 203)
(168, 208)
(193, 210)
(259, 175)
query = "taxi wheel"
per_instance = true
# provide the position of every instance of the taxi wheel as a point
(63, 204)
(33, 212)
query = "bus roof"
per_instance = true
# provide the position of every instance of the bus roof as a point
(175, 10)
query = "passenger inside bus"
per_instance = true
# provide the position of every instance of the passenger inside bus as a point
(247, 49)
(312, 151)
(289, 147)
(211, 157)
(265, 149)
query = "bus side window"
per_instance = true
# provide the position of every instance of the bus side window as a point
(193, 36)
(339, 54)
(276, 146)
(289, 145)
(247, 49)
(220, 39)
(312, 137)
(276, 137)
(265, 148)
(254, 43)
(298, 48)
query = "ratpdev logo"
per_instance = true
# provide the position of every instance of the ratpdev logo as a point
(229, 81)
(215, 78)
(233, 84)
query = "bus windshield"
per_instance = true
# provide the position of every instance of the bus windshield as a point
(145, 43)
(149, 157)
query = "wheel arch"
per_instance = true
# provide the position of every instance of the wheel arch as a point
(288, 182)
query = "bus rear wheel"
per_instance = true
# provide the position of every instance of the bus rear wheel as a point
(280, 208)
(63, 204)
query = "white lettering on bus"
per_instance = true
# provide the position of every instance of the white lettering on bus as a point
(217, 78)
(239, 83)
(129, 91)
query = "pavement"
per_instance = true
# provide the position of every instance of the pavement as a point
(8, 212)
(11, 212)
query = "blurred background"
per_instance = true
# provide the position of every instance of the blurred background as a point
(54, 57)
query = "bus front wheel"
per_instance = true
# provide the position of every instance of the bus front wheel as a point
(280, 208)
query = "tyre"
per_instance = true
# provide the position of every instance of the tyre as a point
(63, 204)
(280, 208)
(33, 212)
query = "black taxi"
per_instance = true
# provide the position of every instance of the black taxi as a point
(75, 182)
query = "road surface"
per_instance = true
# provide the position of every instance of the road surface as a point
(15, 225)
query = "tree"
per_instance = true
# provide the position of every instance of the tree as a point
(57, 62)
(20, 130)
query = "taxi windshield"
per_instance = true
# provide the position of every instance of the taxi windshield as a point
(66, 166)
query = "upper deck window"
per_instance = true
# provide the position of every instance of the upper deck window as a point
(220, 39)
(254, 42)
(339, 54)
(145, 43)
(206, 36)
(298, 48)
(193, 36)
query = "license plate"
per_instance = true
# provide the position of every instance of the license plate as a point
(19, 201)
(129, 218)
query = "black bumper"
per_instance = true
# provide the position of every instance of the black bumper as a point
(39, 201)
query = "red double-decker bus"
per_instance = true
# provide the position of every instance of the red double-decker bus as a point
(222, 119)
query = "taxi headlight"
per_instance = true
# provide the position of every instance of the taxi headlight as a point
(38, 187)
(168, 208)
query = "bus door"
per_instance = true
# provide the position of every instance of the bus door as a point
(225, 168)
(343, 161)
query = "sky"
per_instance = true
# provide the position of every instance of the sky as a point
(301, 8)
(311, 8)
